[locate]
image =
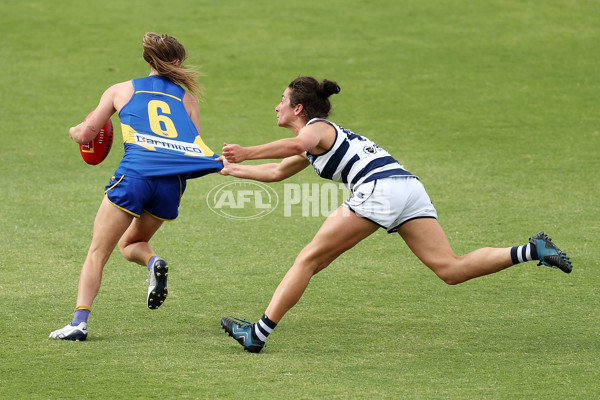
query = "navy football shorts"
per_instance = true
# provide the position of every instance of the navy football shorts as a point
(158, 196)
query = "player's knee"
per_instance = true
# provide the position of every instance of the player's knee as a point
(448, 271)
(447, 276)
(306, 264)
(310, 262)
(123, 249)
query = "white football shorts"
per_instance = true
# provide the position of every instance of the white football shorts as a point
(392, 201)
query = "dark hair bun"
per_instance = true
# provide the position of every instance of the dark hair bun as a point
(327, 88)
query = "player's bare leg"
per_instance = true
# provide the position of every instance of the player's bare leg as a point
(427, 240)
(134, 244)
(134, 247)
(109, 225)
(341, 231)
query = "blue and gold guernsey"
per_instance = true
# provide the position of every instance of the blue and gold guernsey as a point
(160, 138)
(354, 159)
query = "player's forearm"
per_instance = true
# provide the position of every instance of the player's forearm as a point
(281, 148)
(263, 172)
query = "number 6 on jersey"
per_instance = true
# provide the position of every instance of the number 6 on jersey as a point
(160, 123)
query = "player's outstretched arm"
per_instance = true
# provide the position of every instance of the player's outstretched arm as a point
(271, 172)
(307, 138)
(111, 101)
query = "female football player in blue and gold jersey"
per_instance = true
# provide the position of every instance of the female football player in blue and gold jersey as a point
(163, 148)
(383, 195)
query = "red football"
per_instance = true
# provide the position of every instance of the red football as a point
(96, 151)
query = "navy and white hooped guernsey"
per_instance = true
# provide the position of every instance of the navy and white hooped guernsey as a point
(354, 159)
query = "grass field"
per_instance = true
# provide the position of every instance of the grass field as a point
(493, 104)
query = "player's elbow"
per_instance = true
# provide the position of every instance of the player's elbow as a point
(280, 173)
(276, 176)
(298, 148)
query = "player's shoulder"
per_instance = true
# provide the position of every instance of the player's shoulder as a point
(120, 88)
(123, 85)
(321, 127)
(119, 94)
(189, 98)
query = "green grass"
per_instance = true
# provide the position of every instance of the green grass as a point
(493, 104)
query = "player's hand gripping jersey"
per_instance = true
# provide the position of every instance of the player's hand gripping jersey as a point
(160, 138)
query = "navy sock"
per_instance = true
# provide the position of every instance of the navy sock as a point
(151, 261)
(527, 252)
(81, 315)
(262, 329)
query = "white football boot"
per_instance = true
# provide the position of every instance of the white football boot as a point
(70, 332)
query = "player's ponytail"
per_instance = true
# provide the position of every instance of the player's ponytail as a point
(313, 96)
(166, 55)
(327, 88)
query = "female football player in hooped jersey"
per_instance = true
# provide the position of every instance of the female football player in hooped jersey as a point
(383, 195)
(163, 148)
